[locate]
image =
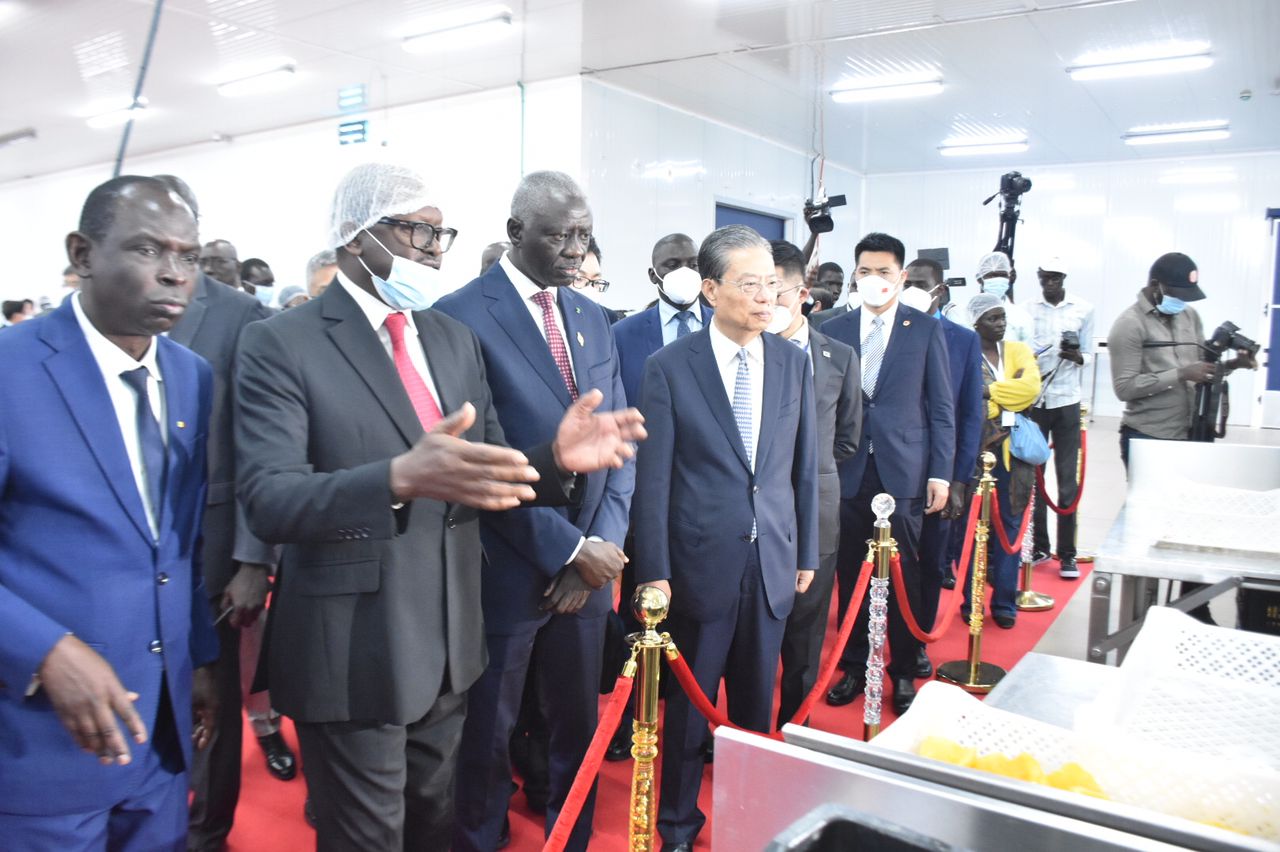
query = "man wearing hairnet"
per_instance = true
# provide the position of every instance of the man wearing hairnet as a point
(996, 276)
(367, 442)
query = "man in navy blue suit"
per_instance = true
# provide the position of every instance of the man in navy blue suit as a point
(548, 574)
(107, 634)
(726, 515)
(923, 291)
(907, 449)
(677, 312)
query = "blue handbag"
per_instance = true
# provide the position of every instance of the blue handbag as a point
(1027, 442)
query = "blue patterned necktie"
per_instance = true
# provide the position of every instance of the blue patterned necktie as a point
(742, 406)
(683, 328)
(150, 441)
(872, 355)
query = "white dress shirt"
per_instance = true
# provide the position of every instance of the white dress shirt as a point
(1048, 322)
(112, 361)
(726, 355)
(671, 324)
(801, 339)
(527, 290)
(1017, 323)
(377, 311)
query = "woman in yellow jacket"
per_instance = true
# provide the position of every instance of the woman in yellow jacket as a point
(1011, 382)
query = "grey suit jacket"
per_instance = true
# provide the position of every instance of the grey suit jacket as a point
(372, 603)
(837, 384)
(817, 318)
(211, 328)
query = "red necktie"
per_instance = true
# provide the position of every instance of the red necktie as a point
(419, 394)
(559, 353)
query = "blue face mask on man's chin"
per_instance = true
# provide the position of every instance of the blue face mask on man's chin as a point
(1170, 305)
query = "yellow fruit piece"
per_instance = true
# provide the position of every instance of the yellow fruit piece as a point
(1028, 768)
(947, 751)
(1074, 777)
(997, 764)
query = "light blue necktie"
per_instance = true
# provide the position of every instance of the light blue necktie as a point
(683, 328)
(872, 355)
(742, 414)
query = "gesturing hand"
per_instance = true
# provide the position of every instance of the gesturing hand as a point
(246, 594)
(204, 706)
(587, 442)
(87, 696)
(598, 562)
(567, 593)
(442, 466)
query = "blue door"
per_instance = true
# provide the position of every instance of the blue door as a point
(769, 227)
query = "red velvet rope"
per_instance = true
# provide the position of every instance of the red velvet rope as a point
(716, 718)
(998, 523)
(590, 766)
(951, 607)
(1084, 462)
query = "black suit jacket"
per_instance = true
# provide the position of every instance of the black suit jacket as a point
(211, 328)
(371, 602)
(837, 386)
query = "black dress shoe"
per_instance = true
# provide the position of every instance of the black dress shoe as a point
(904, 692)
(280, 759)
(687, 846)
(849, 687)
(1004, 621)
(949, 580)
(924, 668)
(619, 747)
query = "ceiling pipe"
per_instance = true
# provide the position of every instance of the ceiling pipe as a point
(137, 89)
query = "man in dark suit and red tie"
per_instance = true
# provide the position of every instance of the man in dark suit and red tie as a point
(106, 637)
(548, 572)
(368, 441)
(726, 506)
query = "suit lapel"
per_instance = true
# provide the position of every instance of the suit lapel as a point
(185, 331)
(772, 396)
(823, 370)
(181, 409)
(707, 373)
(653, 329)
(577, 335)
(509, 310)
(440, 361)
(74, 370)
(359, 344)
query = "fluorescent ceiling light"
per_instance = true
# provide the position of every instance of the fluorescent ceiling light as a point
(966, 146)
(1143, 61)
(1185, 131)
(264, 81)
(26, 134)
(116, 117)
(452, 33)
(862, 90)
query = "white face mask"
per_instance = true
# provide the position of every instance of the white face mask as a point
(409, 286)
(914, 297)
(682, 286)
(876, 291)
(264, 294)
(781, 321)
(998, 286)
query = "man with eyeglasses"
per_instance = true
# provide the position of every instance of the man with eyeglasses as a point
(548, 578)
(592, 283)
(368, 444)
(726, 506)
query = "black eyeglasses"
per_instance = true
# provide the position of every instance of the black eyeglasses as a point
(423, 234)
(582, 283)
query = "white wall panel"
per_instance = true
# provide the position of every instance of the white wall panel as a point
(1110, 221)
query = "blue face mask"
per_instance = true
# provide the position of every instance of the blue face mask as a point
(408, 286)
(1170, 305)
(998, 287)
(264, 294)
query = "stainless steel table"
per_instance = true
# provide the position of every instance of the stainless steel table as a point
(1050, 689)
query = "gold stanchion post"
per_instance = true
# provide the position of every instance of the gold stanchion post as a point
(972, 674)
(881, 549)
(1029, 600)
(650, 608)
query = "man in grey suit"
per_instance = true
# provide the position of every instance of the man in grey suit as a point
(366, 444)
(837, 395)
(237, 566)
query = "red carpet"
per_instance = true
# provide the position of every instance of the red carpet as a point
(270, 815)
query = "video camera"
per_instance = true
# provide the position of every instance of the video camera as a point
(817, 212)
(1213, 398)
(1012, 187)
(1070, 340)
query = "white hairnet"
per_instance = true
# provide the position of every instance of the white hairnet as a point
(370, 191)
(996, 261)
(980, 303)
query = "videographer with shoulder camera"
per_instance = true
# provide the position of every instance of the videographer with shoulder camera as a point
(1062, 338)
(1159, 355)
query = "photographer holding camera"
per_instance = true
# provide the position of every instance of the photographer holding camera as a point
(1062, 338)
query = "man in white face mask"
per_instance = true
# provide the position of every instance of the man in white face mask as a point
(677, 312)
(837, 394)
(996, 276)
(907, 450)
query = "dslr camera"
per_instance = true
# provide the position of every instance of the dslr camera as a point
(1013, 183)
(1070, 340)
(1226, 337)
(817, 212)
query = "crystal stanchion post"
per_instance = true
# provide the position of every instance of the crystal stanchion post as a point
(972, 674)
(1028, 599)
(881, 550)
(650, 608)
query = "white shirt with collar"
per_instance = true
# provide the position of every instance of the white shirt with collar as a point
(527, 290)
(726, 355)
(112, 361)
(671, 325)
(864, 324)
(377, 311)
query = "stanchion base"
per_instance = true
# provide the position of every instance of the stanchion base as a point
(1032, 601)
(957, 672)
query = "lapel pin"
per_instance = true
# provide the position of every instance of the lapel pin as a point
(581, 341)
(577, 309)
(906, 323)
(826, 354)
(182, 424)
